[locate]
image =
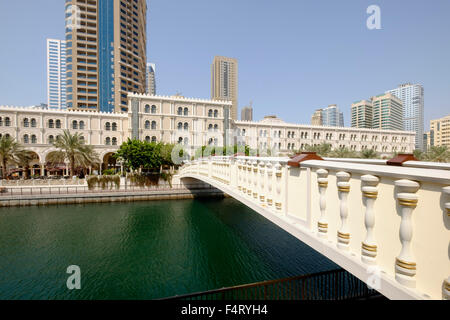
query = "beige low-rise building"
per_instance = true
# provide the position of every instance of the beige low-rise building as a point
(187, 121)
(439, 134)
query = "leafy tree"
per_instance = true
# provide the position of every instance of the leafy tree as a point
(438, 154)
(323, 150)
(343, 153)
(9, 153)
(419, 154)
(72, 148)
(369, 154)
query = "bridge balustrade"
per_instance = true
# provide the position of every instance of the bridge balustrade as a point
(387, 225)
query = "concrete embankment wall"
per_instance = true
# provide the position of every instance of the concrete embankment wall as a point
(195, 190)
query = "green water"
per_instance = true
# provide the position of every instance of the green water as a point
(144, 250)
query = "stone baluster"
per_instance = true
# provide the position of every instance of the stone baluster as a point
(322, 181)
(370, 194)
(269, 184)
(278, 186)
(262, 181)
(249, 178)
(239, 175)
(405, 265)
(255, 180)
(446, 285)
(343, 234)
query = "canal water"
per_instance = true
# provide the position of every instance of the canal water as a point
(144, 250)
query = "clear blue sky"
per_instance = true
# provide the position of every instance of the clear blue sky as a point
(294, 55)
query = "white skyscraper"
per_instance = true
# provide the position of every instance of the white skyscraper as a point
(150, 78)
(332, 117)
(56, 74)
(412, 97)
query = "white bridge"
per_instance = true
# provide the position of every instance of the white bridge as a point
(387, 223)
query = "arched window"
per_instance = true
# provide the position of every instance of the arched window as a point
(7, 122)
(33, 123)
(51, 123)
(216, 113)
(26, 139)
(147, 139)
(58, 124)
(114, 141)
(33, 139)
(108, 141)
(147, 125)
(26, 123)
(1, 121)
(186, 111)
(186, 141)
(210, 127)
(153, 109)
(210, 113)
(51, 139)
(216, 127)
(108, 126)
(186, 126)
(153, 125)
(147, 109)
(180, 111)
(180, 126)
(74, 125)
(114, 126)
(81, 125)
(154, 139)
(180, 140)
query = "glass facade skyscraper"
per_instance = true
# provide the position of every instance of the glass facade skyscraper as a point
(412, 97)
(56, 74)
(106, 53)
(332, 117)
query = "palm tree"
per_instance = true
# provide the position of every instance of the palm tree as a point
(343, 153)
(71, 148)
(24, 158)
(438, 154)
(419, 154)
(9, 152)
(322, 150)
(369, 154)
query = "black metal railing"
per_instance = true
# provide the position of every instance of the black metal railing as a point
(328, 285)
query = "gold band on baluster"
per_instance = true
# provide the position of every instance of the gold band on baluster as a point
(249, 169)
(323, 184)
(279, 174)
(345, 236)
(448, 211)
(370, 194)
(369, 247)
(322, 225)
(255, 195)
(239, 188)
(269, 202)
(405, 265)
(408, 202)
(255, 170)
(278, 205)
(447, 285)
(344, 189)
(249, 192)
(262, 198)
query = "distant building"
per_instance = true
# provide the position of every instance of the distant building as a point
(56, 74)
(151, 79)
(224, 82)
(439, 132)
(247, 113)
(332, 117)
(412, 97)
(362, 114)
(316, 119)
(387, 113)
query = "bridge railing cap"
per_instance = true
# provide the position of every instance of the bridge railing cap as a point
(304, 156)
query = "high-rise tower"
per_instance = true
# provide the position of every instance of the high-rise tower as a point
(151, 79)
(412, 97)
(106, 53)
(56, 74)
(224, 82)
